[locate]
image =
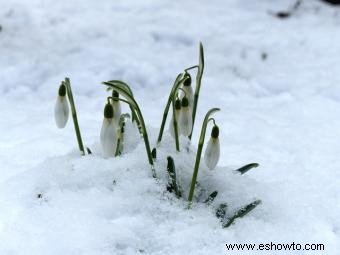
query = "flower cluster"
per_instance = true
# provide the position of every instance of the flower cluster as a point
(184, 100)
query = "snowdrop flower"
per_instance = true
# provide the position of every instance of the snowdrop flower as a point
(61, 109)
(188, 89)
(212, 152)
(117, 111)
(177, 114)
(185, 118)
(108, 133)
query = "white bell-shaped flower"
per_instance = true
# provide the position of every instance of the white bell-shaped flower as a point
(188, 90)
(212, 152)
(117, 111)
(177, 114)
(185, 118)
(61, 109)
(108, 133)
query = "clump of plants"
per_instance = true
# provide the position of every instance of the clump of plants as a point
(183, 100)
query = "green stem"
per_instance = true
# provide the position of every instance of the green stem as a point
(134, 106)
(117, 148)
(198, 86)
(128, 89)
(175, 122)
(191, 67)
(176, 85)
(74, 115)
(199, 152)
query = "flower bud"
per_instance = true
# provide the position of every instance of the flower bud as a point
(115, 95)
(188, 89)
(185, 118)
(108, 111)
(62, 90)
(116, 106)
(212, 152)
(177, 114)
(61, 109)
(215, 132)
(108, 133)
(187, 81)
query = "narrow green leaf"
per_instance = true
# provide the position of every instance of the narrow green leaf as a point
(221, 211)
(173, 186)
(198, 85)
(177, 83)
(154, 153)
(123, 84)
(246, 168)
(211, 197)
(67, 83)
(88, 150)
(241, 212)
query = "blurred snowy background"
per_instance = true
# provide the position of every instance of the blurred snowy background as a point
(276, 80)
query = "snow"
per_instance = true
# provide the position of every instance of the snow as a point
(281, 112)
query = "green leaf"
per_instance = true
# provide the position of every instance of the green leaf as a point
(241, 212)
(221, 211)
(177, 83)
(198, 85)
(154, 153)
(67, 83)
(172, 185)
(211, 197)
(246, 168)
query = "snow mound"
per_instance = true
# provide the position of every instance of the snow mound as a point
(89, 205)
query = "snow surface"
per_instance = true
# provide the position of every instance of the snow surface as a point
(281, 112)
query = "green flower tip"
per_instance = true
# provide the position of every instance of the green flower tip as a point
(187, 81)
(215, 132)
(115, 94)
(178, 104)
(108, 111)
(185, 102)
(62, 90)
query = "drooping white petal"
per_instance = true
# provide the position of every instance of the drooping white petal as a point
(171, 124)
(212, 153)
(108, 138)
(61, 112)
(117, 111)
(185, 121)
